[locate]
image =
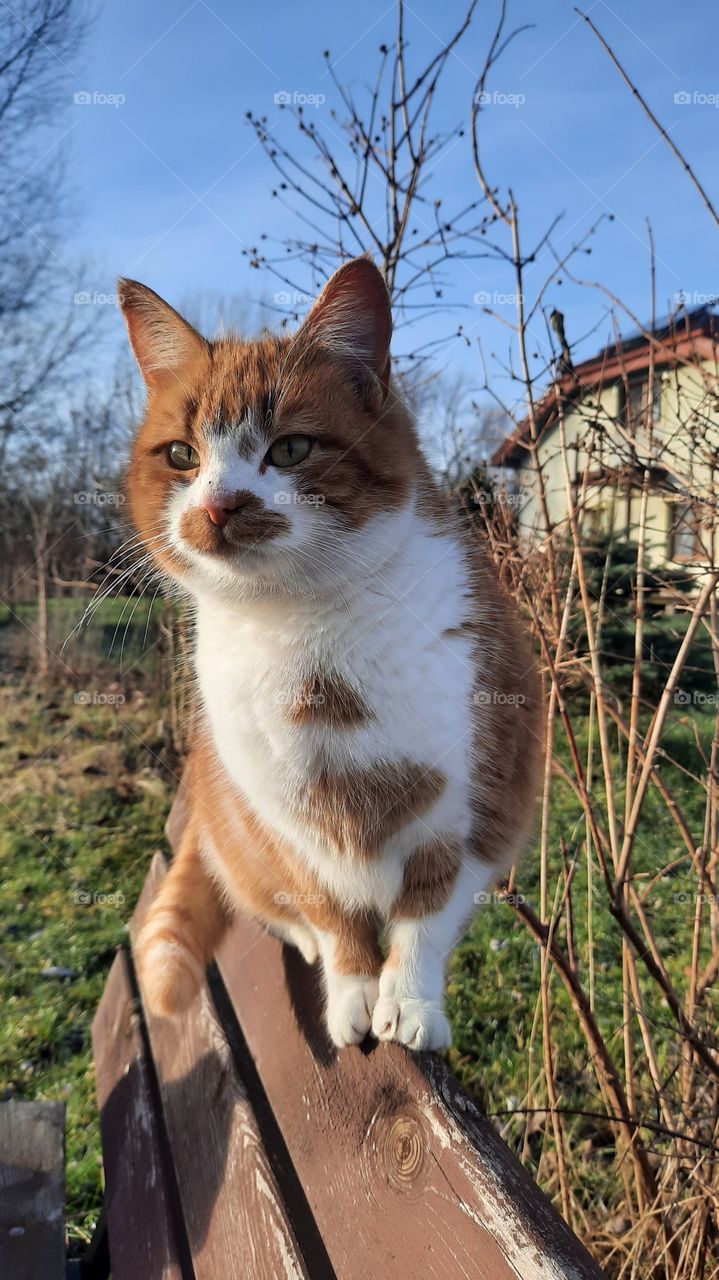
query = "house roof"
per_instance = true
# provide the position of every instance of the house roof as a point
(674, 339)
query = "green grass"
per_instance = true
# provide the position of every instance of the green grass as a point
(121, 633)
(85, 795)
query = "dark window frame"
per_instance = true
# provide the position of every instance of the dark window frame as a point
(689, 508)
(640, 382)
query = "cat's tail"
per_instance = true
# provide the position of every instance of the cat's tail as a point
(181, 932)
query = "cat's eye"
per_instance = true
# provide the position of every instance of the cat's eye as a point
(288, 451)
(183, 456)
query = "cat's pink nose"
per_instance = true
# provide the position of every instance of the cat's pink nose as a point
(220, 509)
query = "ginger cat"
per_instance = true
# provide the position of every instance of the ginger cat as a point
(367, 756)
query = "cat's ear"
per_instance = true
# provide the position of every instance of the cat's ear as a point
(162, 341)
(352, 318)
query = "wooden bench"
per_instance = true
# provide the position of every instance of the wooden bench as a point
(32, 1190)
(239, 1144)
(32, 1198)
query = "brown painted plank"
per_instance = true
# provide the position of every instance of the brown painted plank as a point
(236, 1222)
(397, 1164)
(32, 1190)
(142, 1229)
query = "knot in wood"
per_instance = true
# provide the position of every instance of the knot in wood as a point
(404, 1151)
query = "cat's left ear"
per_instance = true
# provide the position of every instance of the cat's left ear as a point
(163, 342)
(352, 318)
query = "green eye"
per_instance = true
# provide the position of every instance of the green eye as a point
(288, 451)
(183, 456)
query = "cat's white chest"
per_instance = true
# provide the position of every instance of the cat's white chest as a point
(416, 684)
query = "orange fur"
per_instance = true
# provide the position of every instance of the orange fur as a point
(367, 463)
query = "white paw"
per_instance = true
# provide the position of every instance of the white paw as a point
(350, 1002)
(419, 1024)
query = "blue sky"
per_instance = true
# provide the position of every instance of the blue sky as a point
(170, 185)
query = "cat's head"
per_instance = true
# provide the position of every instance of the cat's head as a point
(274, 462)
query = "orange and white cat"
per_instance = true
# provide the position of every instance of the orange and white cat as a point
(367, 754)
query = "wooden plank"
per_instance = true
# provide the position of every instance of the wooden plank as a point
(32, 1190)
(236, 1221)
(140, 1201)
(397, 1164)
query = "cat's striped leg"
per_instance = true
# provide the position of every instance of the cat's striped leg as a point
(181, 932)
(429, 918)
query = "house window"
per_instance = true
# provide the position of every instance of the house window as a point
(637, 407)
(683, 531)
(596, 520)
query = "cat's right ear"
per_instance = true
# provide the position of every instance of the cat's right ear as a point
(162, 341)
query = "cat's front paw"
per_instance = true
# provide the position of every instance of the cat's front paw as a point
(418, 1024)
(349, 1009)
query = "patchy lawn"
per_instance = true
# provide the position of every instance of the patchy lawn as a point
(86, 787)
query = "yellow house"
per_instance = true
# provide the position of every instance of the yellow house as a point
(644, 409)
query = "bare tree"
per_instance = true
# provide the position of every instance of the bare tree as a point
(365, 184)
(40, 330)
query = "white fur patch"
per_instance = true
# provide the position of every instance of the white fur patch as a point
(382, 608)
(253, 657)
